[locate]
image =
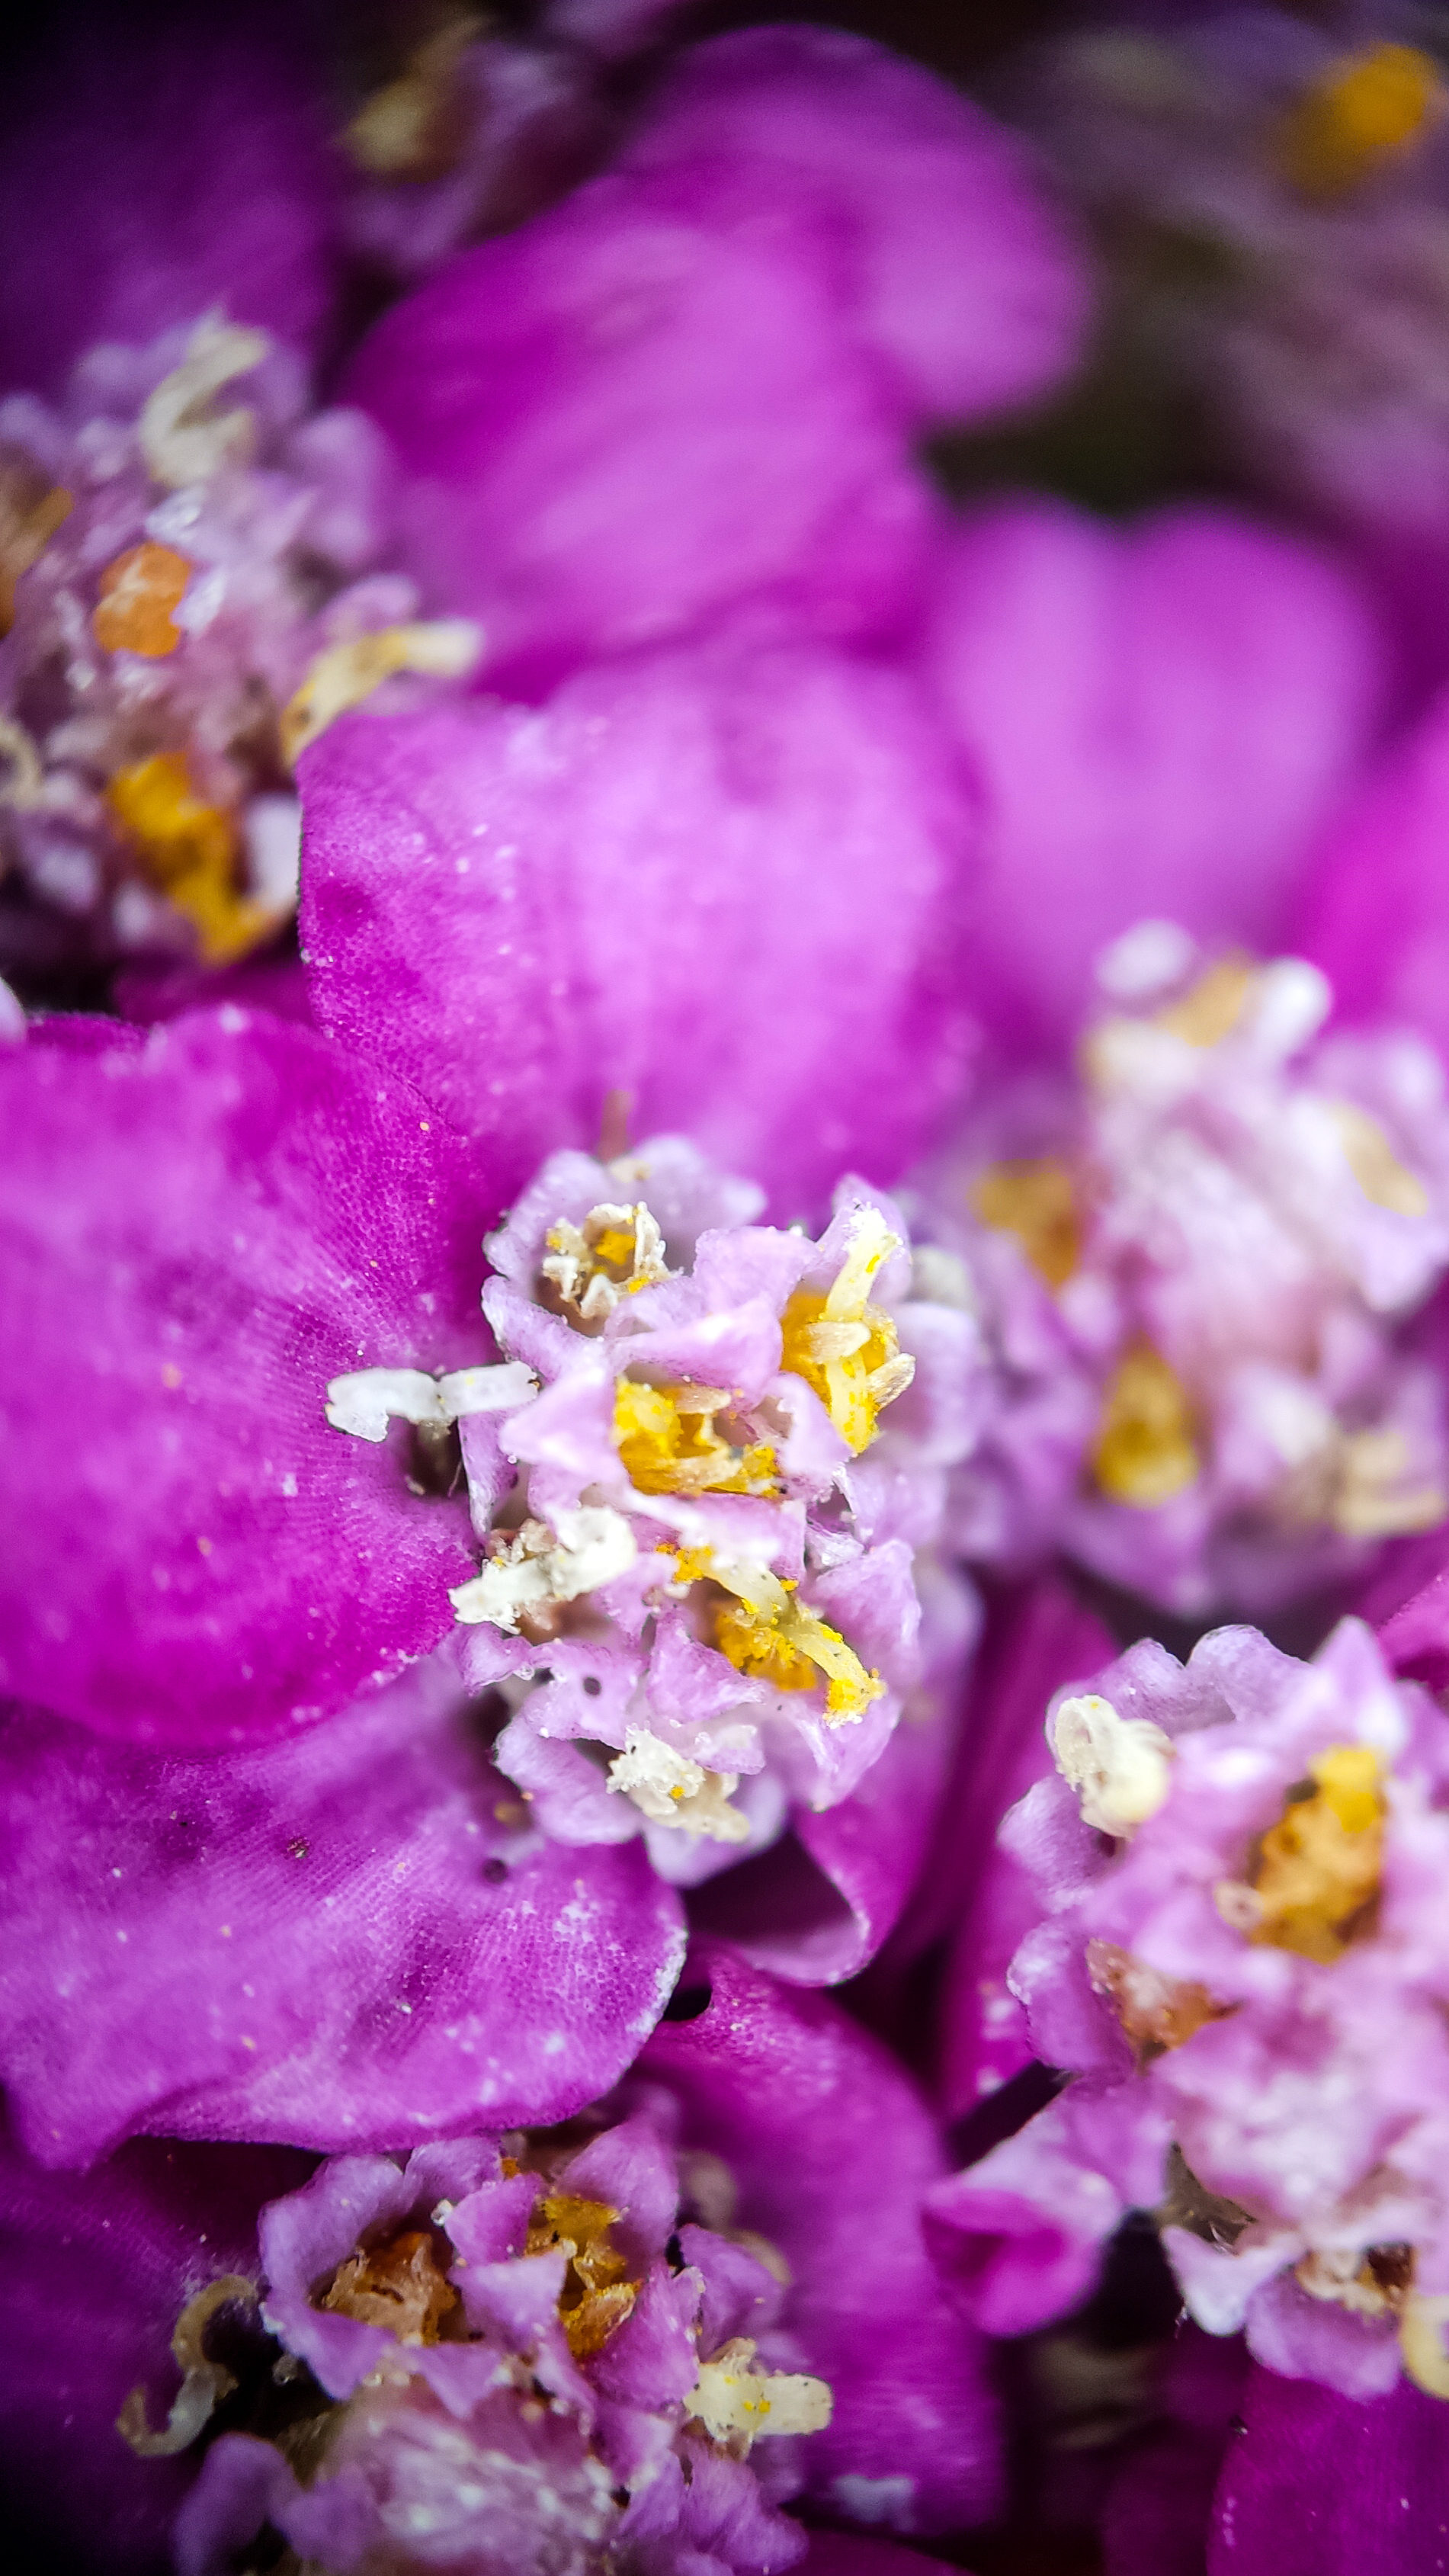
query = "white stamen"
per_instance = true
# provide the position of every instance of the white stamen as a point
(1120, 1766)
(363, 1402)
(671, 1790)
(738, 2404)
(539, 1568)
(182, 440)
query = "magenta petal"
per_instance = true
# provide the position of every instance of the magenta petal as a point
(1160, 718)
(500, 904)
(1374, 908)
(1020, 2236)
(621, 419)
(201, 1232)
(1158, 2511)
(1322, 2485)
(303, 2238)
(1036, 1646)
(956, 276)
(831, 2149)
(331, 1939)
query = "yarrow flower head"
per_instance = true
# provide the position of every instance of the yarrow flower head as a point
(192, 575)
(531, 2352)
(1227, 1230)
(699, 1504)
(1243, 1960)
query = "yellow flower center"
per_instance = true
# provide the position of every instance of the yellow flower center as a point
(189, 850)
(1364, 109)
(668, 1442)
(1035, 1201)
(845, 1348)
(1318, 1867)
(1145, 1451)
(401, 2284)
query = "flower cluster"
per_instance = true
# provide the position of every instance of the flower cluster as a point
(195, 568)
(1219, 1237)
(1242, 1961)
(700, 1517)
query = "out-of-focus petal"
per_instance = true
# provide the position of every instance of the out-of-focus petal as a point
(1374, 906)
(1160, 719)
(957, 275)
(624, 419)
(152, 171)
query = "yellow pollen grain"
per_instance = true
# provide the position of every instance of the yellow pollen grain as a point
(1364, 110)
(1145, 1451)
(137, 595)
(189, 850)
(1383, 1179)
(596, 2295)
(1035, 1201)
(1211, 1008)
(668, 1443)
(1318, 1867)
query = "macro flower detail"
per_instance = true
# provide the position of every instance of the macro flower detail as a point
(1231, 1227)
(697, 1595)
(1242, 1961)
(511, 2348)
(201, 571)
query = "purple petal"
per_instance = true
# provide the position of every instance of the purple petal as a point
(152, 174)
(201, 1233)
(498, 904)
(304, 2237)
(1323, 2485)
(1158, 2511)
(1041, 1642)
(956, 276)
(93, 2276)
(1160, 719)
(831, 2150)
(1374, 914)
(333, 1938)
(622, 419)
(1020, 2235)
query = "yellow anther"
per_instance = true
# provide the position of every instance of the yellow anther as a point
(138, 593)
(1365, 109)
(1145, 1450)
(189, 850)
(1375, 1166)
(668, 1443)
(1318, 1867)
(1035, 1201)
(30, 512)
(1211, 1008)
(443, 648)
(789, 1648)
(845, 1348)
(416, 127)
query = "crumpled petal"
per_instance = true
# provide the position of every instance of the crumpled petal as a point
(201, 1232)
(1160, 719)
(333, 1939)
(832, 2149)
(500, 904)
(957, 277)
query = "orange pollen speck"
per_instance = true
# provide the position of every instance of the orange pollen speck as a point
(138, 593)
